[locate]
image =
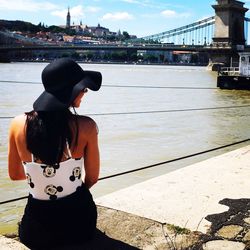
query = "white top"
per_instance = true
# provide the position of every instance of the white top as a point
(50, 182)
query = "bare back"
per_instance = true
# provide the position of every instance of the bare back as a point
(87, 147)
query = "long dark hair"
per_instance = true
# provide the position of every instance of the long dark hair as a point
(47, 133)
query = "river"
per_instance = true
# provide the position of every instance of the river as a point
(142, 115)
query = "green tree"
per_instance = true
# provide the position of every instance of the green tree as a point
(125, 35)
(150, 58)
(55, 29)
(194, 58)
(134, 57)
(90, 55)
(119, 56)
(65, 54)
(75, 55)
(107, 56)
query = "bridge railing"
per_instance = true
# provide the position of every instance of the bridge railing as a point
(229, 71)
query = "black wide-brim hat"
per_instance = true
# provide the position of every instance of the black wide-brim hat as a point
(63, 80)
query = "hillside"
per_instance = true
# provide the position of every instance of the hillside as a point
(27, 27)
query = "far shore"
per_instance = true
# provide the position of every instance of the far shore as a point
(115, 62)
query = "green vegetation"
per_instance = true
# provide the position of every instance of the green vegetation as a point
(178, 230)
(29, 27)
(19, 26)
(32, 28)
(125, 35)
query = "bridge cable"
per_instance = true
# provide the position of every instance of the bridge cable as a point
(156, 87)
(125, 86)
(198, 23)
(149, 166)
(153, 111)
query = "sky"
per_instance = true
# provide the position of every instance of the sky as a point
(137, 17)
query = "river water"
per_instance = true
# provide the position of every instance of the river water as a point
(130, 136)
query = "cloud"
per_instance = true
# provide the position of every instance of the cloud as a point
(75, 12)
(92, 9)
(26, 5)
(152, 4)
(117, 16)
(145, 3)
(131, 1)
(173, 14)
(169, 13)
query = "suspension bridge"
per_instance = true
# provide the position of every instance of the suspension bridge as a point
(222, 36)
(197, 33)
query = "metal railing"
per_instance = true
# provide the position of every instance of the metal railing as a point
(230, 71)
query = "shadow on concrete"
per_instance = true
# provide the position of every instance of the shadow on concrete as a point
(100, 242)
(239, 209)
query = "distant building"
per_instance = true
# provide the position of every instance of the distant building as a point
(98, 31)
(84, 30)
(80, 29)
(68, 39)
(68, 20)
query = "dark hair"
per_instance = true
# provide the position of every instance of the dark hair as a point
(47, 133)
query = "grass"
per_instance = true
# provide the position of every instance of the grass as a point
(179, 238)
(178, 230)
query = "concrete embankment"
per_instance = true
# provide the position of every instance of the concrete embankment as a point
(202, 206)
(211, 197)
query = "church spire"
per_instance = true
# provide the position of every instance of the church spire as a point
(68, 19)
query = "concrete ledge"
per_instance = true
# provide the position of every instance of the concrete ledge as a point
(143, 233)
(122, 231)
(8, 244)
(186, 196)
(119, 230)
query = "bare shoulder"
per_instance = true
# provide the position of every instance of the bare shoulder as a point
(86, 119)
(87, 124)
(18, 121)
(17, 125)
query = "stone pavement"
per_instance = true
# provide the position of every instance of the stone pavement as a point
(7, 243)
(210, 197)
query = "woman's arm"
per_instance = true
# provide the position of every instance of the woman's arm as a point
(91, 158)
(16, 171)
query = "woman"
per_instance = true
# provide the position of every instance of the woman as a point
(49, 146)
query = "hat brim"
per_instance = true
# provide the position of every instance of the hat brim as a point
(49, 102)
(92, 81)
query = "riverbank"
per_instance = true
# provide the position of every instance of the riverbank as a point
(210, 197)
(115, 62)
(202, 206)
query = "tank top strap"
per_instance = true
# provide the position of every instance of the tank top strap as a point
(32, 158)
(68, 149)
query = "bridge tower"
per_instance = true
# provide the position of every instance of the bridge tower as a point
(229, 35)
(229, 23)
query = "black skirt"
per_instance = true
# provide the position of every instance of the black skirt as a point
(67, 221)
